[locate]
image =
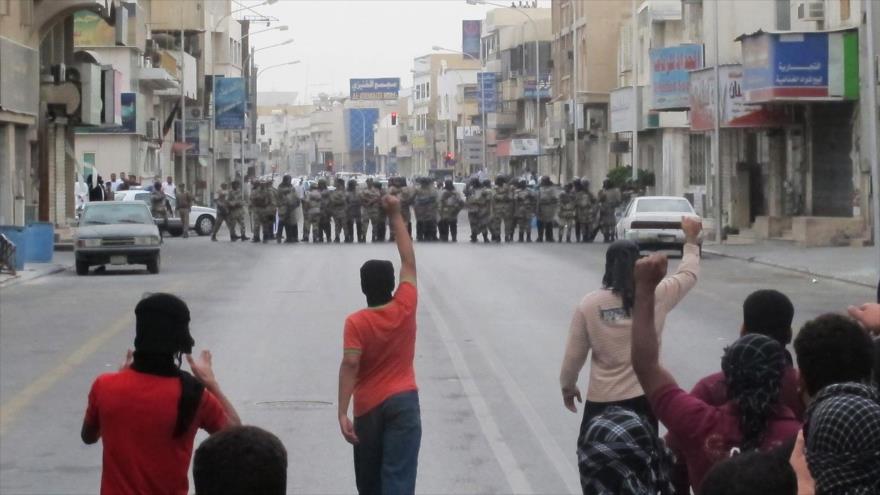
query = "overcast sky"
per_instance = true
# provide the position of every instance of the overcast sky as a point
(340, 39)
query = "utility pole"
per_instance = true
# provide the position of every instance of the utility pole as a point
(716, 150)
(636, 104)
(871, 97)
(182, 107)
(574, 86)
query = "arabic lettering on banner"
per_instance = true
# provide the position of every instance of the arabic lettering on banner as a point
(791, 65)
(543, 87)
(735, 110)
(386, 88)
(669, 75)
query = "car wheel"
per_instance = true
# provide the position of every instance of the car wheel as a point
(153, 265)
(82, 268)
(205, 225)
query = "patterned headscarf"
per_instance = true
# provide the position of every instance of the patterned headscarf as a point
(842, 433)
(621, 454)
(753, 368)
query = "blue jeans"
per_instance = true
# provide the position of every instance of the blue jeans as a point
(387, 456)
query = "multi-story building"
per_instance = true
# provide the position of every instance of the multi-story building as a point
(427, 135)
(458, 116)
(596, 25)
(508, 51)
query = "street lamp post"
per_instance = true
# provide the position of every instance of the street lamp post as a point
(214, 80)
(538, 125)
(483, 124)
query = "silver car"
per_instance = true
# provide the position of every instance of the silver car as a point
(116, 233)
(654, 222)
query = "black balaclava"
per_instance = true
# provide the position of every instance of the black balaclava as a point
(377, 281)
(161, 337)
(352, 185)
(286, 180)
(449, 185)
(340, 184)
(620, 261)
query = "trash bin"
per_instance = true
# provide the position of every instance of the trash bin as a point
(18, 236)
(40, 242)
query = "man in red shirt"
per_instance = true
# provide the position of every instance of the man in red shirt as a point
(147, 414)
(377, 369)
(753, 366)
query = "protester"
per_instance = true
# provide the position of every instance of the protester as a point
(842, 436)
(601, 326)
(753, 367)
(96, 191)
(832, 349)
(751, 473)
(239, 460)
(622, 455)
(147, 414)
(377, 369)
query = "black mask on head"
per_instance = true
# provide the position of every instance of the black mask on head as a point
(377, 281)
(620, 261)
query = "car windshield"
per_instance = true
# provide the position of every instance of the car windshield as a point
(664, 205)
(116, 213)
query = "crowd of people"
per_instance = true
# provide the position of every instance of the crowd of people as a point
(767, 423)
(348, 212)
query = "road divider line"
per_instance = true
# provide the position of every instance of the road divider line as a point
(514, 474)
(11, 409)
(562, 463)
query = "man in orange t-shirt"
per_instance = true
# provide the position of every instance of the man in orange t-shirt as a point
(377, 369)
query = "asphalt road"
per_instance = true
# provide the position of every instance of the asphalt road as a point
(492, 326)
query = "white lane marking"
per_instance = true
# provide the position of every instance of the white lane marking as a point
(561, 462)
(514, 474)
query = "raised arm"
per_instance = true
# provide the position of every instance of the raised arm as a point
(404, 241)
(673, 289)
(645, 349)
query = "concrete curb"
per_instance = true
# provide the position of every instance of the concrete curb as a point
(20, 280)
(753, 259)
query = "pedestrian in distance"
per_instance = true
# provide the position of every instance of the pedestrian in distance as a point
(603, 318)
(235, 200)
(377, 372)
(158, 207)
(240, 460)
(753, 418)
(185, 201)
(148, 412)
(289, 202)
(169, 186)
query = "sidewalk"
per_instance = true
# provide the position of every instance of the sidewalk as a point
(856, 265)
(32, 271)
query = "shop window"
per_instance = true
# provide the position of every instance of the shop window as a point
(699, 145)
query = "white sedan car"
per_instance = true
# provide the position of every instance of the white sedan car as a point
(654, 222)
(201, 218)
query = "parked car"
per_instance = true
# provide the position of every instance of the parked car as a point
(116, 233)
(654, 222)
(201, 218)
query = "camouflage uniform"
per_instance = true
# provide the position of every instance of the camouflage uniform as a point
(525, 203)
(567, 213)
(450, 206)
(425, 207)
(222, 206)
(260, 204)
(609, 200)
(158, 208)
(502, 210)
(371, 201)
(548, 204)
(312, 216)
(337, 206)
(353, 219)
(326, 229)
(477, 203)
(486, 209)
(288, 202)
(235, 200)
(586, 211)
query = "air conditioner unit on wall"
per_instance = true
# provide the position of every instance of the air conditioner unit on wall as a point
(813, 10)
(152, 129)
(195, 113)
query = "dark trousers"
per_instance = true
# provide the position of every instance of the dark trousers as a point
(350, 225)
(386, 458)
(638, 405)
(378, 231)
(291, 230)
(426, 230)
(325, 228)
(545, 229)
(447, 228)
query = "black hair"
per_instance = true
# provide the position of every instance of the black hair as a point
(769, 312)
(751, 473)
(620, 261)
(241, 459)
(157, 186)
(833, 349)
(377, 281)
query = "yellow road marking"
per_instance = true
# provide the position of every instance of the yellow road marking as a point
(11, 409)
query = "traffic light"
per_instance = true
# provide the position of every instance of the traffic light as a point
(449, 158)
(393, 118)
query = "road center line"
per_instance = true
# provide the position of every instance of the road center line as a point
(24, 398)
(514, 474)
(561, 462)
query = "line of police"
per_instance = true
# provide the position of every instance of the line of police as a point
(494, 213)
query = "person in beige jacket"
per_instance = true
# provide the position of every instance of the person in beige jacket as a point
(601, 325)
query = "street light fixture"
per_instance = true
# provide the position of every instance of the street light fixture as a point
(264, 69)
(483, 124)
(284, 27)
(538, 125)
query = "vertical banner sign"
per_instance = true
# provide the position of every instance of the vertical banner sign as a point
(229, 103)
(470, 38)
(669, 75)
(487, 84)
